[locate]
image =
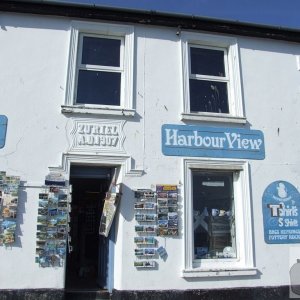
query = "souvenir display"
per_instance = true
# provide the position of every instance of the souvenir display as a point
(146, 227)
(52, 226)
(9, 186)
(111, 202)
(167, 210)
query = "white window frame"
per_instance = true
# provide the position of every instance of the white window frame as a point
(103, 30)
(232, 68)
(243, 263)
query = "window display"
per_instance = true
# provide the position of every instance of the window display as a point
(214, 218)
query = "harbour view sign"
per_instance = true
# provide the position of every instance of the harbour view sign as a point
(97, 136)
(218, 142)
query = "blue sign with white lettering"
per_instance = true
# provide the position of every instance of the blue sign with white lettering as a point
(280, 205)
(3, 126)
(219, 142)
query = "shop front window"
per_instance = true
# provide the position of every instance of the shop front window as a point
(214, 216)
(217, 206)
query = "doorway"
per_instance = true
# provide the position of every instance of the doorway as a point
(88, 257)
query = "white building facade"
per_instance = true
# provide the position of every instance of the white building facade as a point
(195, 110)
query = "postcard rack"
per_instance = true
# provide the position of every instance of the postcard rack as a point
(52, 226)
(9, 186)
(145, 228)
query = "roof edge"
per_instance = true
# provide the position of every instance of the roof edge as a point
(185, 22)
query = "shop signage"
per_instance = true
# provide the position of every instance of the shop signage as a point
(3, 126)
(281, 204)
(97, 136)
(190, 140)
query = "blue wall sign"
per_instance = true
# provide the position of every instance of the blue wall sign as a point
(190, 140)
(281, 204)
(3, 126)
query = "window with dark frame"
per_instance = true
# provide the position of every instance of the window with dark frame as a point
(208, 82)
(213, 215)
(99, 71)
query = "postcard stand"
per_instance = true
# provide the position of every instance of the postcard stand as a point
(167, 210)
(52, 225)
(145, 228)
(9, 186)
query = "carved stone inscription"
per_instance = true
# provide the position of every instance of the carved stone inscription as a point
(97, 136)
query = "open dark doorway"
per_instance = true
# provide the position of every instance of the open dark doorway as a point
(87, 263)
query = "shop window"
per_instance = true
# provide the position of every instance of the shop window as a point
(218, 234)
(212, 89)
(100, 69)
(213, 213)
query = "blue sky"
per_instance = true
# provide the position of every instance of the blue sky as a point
(284, 13)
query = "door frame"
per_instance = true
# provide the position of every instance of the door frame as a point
(127, 168)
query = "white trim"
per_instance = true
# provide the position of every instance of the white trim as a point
(195, 273)
(243, 228)
(102, 29)
(105, 160)
(213, 117)
(101, 110)
(235, 103)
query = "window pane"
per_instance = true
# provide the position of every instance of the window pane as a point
(101, 51)
(208, 96)
(207, 62)
(96, 87)
(213, 205)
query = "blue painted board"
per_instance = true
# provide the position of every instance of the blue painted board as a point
(217, 142)
(3, 128)
(280, 206)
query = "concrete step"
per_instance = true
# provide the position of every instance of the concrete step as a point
(87, 295)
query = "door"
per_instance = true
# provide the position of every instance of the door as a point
(87, 263)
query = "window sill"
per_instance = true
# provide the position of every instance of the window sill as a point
(213, 117)
(112, 111)
(194, 273)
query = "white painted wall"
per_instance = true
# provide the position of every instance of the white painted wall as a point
(33, 69)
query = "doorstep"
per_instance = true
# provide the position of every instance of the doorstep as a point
(80, 294)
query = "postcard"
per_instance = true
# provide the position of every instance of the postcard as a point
(162, 223)
(54, 189)
(161, 202)
(139, 252)
(150, 217)
(172, 202)
(43, 211)
(43, 203)
(139, 217)
(173, 195)
(161, 217)
(150, 228)
(173, 231)
(138, 205)
(9, 225)
(162, 252)
(149, 205)
(163, 231)
(173, 208)
(173, 223)
(163, 210)
(149, 251)
(173, 216)
(41, 227)
(139, 240)
(162, 195)
(43, 196)
(139, 228)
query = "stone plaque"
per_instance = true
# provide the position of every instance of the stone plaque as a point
(97, 136)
